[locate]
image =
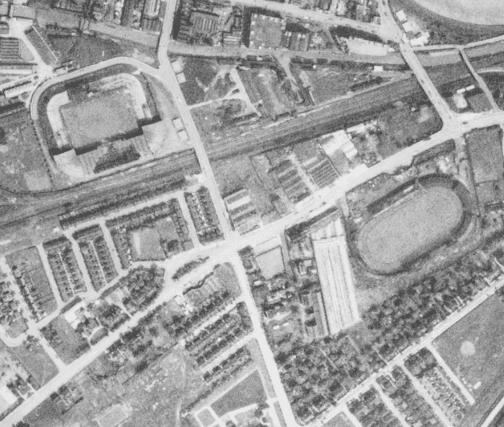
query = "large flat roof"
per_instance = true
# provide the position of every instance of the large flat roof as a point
(336, 279)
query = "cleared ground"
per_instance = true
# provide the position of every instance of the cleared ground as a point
(22, 164)
(340, 420)
(406, 231)
(36, 361)
(271, 262)
(483, 12)
(113, 417)
(248, 392)
(100, 117)
(473, 350)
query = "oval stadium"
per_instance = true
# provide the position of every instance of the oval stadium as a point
(424, 217)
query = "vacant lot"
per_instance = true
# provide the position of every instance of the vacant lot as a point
(22, 165)
(405, 232)
(473, 350)
(340, 420)
(206, 418)
(199, 74)
(495, 82)
(36, 361)
(271, 262)
(102, 116)
(226, 276)
(113, 417)
(327, 82)
(68, 344)
(401, 127)
(485, 153)
(85, 50)
(147, 242)
(248, 392)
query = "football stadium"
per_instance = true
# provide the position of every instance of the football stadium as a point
(412, 221)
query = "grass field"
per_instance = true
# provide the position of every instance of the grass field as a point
(199, 74)
(206, 418)
(328, 82)
(85, 50)
(406, 231)
(401, 127)
(495, 83)
(146, 242)
(99, 117)
(482, 368)
(340, 420)
(155, 395)
(248, 392)
(226, 276)
(22, 165)
(113, 417)
(485, 152)
(68, 344)
(36, 361)
(271, 262)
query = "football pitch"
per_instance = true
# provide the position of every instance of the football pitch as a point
(102, 116)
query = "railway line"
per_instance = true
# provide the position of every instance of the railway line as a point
(338, 114)
(167, 170)
(317, 122)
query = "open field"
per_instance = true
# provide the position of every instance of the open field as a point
(484, 147)
(248, 392)
(152, 397)
(36, 361)
(482, 12)
(206, 418)
(400, 127)
(85, 50)
(102, 116)
(495, 83)
(340, 420)
(406, 231)
(199, 74)
(271, 262)
(328, 82)
(22, 165)
(113, 417)
(473, 350)
(67, 343)
(147, 242)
